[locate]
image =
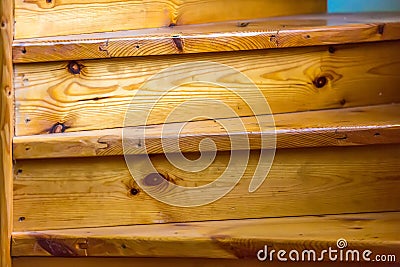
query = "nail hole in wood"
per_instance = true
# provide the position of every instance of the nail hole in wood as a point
(134, 191)
(3, 24)
(123, 246)
(19, 171)
(308, 36)
(23, 50)
(21, 219)
(377, 134)
(381, 28)
(331, 49)
(58, 128)
(137, 46)
(320, 81)
(27, 148)
(343, 102)
(74, 67)
(242, 24)
(27, 120)
(48, 1)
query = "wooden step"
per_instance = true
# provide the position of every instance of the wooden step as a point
(337, 127)
(95, 94)
(100, 191)
(34, 18)
(235, 239)
(167, 262)
(249, 34)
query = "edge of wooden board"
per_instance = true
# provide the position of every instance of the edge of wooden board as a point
(164, 262)
(38, 19)
(338, 127)
(231, 239)
(6, 130)
(295, 31)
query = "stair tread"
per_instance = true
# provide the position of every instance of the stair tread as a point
(368, 125)
(377, 232)
(278, 32)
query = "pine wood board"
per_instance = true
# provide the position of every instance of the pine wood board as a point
(337, 127)
(164, 262)
(36, 18)
(252, 34)
(231, 239)
(96, 192)
(98, 97)
(6, 129)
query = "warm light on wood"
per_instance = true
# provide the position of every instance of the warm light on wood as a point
(282, 32)
(35, 18)
(97, 98)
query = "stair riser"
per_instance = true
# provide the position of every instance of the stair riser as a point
(295, 79)
(93, 192)
(37, 18)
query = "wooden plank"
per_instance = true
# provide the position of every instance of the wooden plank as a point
(300, 30)
(6, 129)
(37, 19)
(95, 192)
(164, 262)
(295, 79)
(235, 239)
(338, 127)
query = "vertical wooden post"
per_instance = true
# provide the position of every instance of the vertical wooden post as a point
(6, 129)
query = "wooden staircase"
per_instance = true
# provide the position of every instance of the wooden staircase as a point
(72, 69)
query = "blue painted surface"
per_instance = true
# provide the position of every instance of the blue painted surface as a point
(337, 6)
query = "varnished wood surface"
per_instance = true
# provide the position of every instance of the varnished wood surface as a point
(167, 262)
(38, 18)
(98, 96)
(95, 192)
(234, 239)
(300, 30)
(6, 129)
(337, 127)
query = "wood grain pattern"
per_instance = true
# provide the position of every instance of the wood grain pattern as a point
(6, 130)
(94, 192)
(338, 127)
(98, 97)
(38, 18)
(300, 30)
(165, 262)
(236, 239)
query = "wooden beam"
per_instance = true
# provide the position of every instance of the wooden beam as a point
(236, 239)
(296, 79)
(6, 129)
(300, 30)
(96, 192)
(37, 19)
(166, 262)
(337, 127)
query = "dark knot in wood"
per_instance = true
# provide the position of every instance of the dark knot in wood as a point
(58, 128)
(320, 81)
(74, 67)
